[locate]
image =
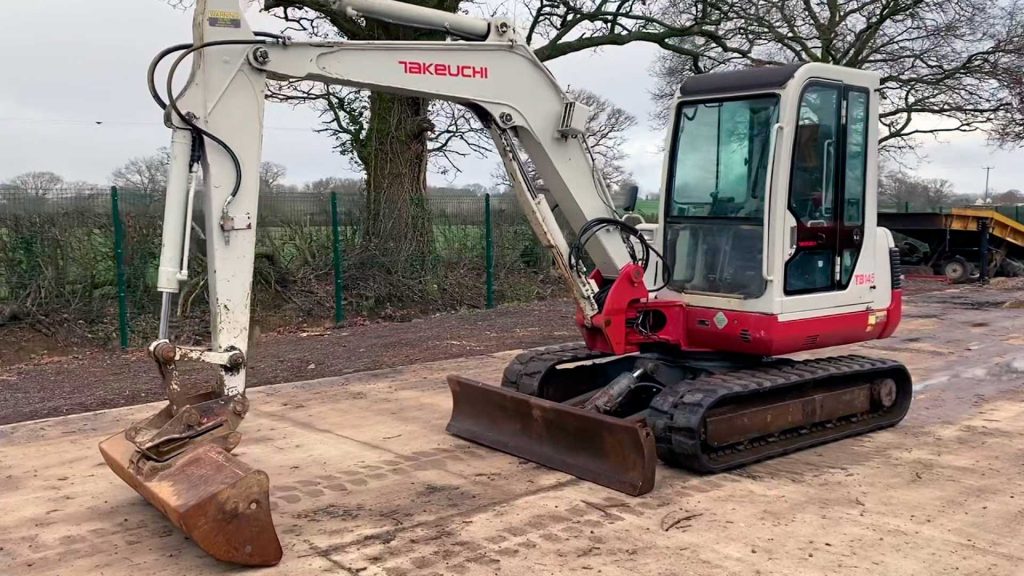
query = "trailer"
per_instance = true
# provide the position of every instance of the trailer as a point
(954, 244)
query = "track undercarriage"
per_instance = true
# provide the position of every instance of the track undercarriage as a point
(702, 412)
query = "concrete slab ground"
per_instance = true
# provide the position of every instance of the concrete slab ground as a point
(365, 481)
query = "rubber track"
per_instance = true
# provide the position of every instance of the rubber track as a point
(525, 372)
(677, 414)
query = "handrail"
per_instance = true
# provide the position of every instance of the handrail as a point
(766, 259)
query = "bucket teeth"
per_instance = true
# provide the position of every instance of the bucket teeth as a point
(217, 500)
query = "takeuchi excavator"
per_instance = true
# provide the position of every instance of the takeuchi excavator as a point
(767, 246)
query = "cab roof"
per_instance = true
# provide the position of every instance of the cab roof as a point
(746, 80)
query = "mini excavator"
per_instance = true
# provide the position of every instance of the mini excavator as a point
(767, 246)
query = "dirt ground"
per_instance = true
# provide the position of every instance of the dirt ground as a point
(365, 481)
(58, 382)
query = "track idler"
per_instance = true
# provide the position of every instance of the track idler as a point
(179, 460)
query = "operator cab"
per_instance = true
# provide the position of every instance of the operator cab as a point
(770, 191)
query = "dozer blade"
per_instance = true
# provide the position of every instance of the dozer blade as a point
(613, 452)
(217, 500)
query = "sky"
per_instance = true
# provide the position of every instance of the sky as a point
(73, 100)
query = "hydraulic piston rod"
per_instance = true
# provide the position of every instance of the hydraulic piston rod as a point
(175, 211)
(459, 25)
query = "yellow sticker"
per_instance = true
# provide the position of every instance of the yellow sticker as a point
(224, 19)
(871, 322)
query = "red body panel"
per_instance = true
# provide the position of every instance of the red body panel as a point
(764, 334)
(628, 320)
(608, 331)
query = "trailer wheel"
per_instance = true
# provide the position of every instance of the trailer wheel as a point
(957, 270)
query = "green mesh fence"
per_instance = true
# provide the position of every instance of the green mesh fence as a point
(56, 256)
(57, 260)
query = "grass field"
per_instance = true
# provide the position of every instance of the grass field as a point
(648, 209)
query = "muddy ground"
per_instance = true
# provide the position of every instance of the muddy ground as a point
(39, 379)
(51, 381)
(364, 480)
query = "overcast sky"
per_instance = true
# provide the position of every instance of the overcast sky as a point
(73, 100)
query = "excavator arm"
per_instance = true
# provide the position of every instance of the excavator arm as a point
(217, 129)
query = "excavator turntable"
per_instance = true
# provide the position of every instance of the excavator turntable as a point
(767, 246)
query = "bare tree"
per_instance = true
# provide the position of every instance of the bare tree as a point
(899, 189)
(1008, 126)
(144, 174)
(79, 186)
(948, 62)
(35, 183)
(560, 27)
(1011, 196)
(333, 184)
(271, 177)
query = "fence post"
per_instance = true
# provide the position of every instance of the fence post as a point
(122, 288)
(339, 294)
(488, 252)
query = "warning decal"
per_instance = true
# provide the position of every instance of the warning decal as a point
(224, 19)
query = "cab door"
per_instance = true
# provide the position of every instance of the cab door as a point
(826, 198)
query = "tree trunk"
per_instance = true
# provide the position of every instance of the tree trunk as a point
(398, 225)
(393, 152)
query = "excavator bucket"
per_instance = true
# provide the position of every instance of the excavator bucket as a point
(613, 452)
(217, 500)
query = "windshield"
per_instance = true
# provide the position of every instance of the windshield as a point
(714, 221)
(721, 157)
